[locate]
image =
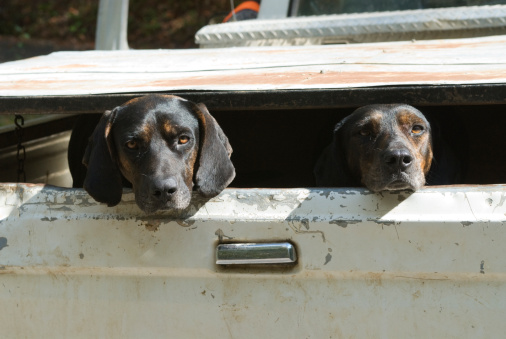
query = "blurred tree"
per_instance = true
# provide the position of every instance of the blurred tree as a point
(152, 23)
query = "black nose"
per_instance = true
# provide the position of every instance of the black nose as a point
(398, 159)
(164, 189)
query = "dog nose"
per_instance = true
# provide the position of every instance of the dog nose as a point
(398, 159)
(163, 189)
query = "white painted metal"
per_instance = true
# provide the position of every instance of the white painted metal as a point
(437, 23)
(112, 22)
(45, 163)
(395, 265)
(272, 10)
(459, 61)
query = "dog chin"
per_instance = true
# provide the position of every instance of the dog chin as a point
(177, 203)
(397, 184)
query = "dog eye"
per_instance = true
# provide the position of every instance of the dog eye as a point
(183, 139)
(132, 144)
(365, 132)
(417, 129)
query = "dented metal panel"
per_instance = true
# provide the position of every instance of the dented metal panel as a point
(431, 62)
(391, 265)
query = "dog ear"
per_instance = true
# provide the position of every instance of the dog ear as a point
(103, 179)
(331, 169)
(81, 131)
(214, 170)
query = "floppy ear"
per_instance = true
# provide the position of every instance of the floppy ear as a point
(214, 170)
(103, 178)
(331, 169)
(81, 131)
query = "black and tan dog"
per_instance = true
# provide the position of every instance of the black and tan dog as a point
(164, 146)
(381, 147)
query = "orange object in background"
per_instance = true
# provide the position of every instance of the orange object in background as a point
(245, 11)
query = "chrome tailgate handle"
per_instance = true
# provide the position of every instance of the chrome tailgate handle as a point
(255, 253)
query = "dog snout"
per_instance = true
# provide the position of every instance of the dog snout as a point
(398, 159)
(164, 189)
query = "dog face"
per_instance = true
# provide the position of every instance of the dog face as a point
(382, 147)
(156, 149)
(162, 145)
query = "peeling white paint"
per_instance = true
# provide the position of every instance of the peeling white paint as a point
(400, 260)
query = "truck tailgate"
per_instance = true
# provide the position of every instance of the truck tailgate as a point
(391, 265)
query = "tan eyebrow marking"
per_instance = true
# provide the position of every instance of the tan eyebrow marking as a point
(168, 127)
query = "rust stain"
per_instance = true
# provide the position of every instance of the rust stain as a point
(331, 79)
(40, 84)
(70, 66)
(453, 45)
(374, 279)
(152, 225)
(76, 66)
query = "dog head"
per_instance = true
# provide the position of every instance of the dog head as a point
(383, 147)
(164, 146)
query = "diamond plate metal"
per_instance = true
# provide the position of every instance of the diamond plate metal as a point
(457, 22)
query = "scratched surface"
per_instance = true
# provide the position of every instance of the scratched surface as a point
(458, 61)
(370, 265)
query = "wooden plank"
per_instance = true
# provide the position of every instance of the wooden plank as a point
(460, 61)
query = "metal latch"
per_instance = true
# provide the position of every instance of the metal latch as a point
(255, 253)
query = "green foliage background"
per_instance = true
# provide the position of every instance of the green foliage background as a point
(151, 23)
